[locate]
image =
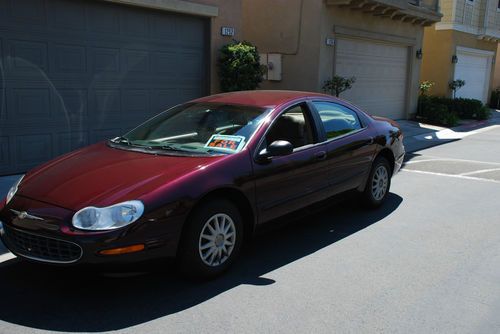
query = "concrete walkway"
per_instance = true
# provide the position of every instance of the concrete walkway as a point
(418, 136)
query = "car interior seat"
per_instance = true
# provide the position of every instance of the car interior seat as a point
(291, 129)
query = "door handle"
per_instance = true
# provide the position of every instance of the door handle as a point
(321, 155)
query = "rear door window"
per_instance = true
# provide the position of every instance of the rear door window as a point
(337, 120)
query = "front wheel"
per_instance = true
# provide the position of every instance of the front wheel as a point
(378, 184)
(212, 240)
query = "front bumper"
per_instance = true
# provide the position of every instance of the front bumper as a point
(54, 241)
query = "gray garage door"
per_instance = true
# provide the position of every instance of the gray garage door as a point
(77, 72)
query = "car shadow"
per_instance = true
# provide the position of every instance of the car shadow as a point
(62, 299)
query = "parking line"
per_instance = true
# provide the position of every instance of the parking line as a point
(451, 175)
(481, 171)
(423, 160)
(451, 159)
(6, 257)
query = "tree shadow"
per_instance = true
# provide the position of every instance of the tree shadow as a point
(62, 299)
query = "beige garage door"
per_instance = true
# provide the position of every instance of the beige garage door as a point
(381, 75)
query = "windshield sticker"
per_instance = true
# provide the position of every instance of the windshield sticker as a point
(226, 143)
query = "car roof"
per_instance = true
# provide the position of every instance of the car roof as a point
(259, 98)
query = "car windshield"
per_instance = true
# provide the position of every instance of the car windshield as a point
(204, 128)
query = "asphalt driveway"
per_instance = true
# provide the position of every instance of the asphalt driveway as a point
(428, 261)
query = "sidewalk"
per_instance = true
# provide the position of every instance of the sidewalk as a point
(418, 136)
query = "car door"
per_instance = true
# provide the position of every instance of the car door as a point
(349, 145)
(286, 183)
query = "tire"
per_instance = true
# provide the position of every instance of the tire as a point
(378, 183)
(201, 257)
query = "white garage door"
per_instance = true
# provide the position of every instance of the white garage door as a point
(474, 66)
(381, 75)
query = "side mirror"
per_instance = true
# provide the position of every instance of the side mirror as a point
(277, 148)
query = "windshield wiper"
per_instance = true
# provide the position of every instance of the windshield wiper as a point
(169, 148)
(120, 140)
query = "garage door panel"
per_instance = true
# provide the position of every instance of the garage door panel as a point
(105, 19)
(104, 134)
(23, 56)
(134, 24)
(27, 10)
(474, 69)
(105, 59)
(381, 75)
(72, 78)
(69, 141)
(136, 61)
(33, 148)
(4, 153)
(67, 15)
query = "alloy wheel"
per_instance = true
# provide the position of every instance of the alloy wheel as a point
(380, 182)
(217, 239)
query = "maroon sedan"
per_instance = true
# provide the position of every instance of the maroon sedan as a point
(195, 180)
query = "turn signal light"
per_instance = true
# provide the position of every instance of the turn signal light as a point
(122, 250)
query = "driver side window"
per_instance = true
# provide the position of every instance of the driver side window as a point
(293, 126)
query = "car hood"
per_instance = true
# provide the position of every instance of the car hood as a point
(100, 175)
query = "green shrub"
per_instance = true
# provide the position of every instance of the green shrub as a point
(465, 108)
(239, 67)
(456, 85)
(425, 87)
(461, 107)
(483, 113)
(338, 84)
(495, 99)
(432, 110)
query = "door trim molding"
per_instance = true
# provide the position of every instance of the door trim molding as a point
(340, 31)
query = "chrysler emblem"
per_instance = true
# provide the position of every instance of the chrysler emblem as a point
(25, 215)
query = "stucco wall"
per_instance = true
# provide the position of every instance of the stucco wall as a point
(436, 62)
(439, 47)
(471, 16)
(289, 27)
(230, 15)
(496, 75)
(280, 26)
(447, 9)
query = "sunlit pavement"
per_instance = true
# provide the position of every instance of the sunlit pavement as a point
(426, 262)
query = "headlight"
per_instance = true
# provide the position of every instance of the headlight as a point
(13, 190)
(108, 218)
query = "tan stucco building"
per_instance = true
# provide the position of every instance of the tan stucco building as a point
(309, 41)
(462, 46)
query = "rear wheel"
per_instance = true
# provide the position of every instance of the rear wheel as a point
(378, 184)
(212, 240)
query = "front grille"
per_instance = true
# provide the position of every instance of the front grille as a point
(42, 248)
